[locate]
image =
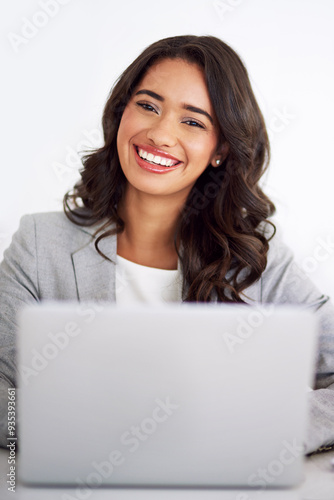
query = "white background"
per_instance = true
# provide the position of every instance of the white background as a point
(56, 79)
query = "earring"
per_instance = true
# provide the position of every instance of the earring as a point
(217, 162)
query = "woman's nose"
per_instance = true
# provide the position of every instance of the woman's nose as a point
(163, 132)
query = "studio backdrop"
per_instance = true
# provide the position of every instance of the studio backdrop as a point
(60, 58)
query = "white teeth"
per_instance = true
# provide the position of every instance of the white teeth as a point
(155, 159)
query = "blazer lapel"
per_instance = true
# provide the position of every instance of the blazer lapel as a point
(95, 276)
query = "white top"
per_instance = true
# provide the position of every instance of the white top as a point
(136, 283)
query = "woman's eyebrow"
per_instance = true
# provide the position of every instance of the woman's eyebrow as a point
(150, 93)
(189, 107)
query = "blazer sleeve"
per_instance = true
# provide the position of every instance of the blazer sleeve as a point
(18, 286)
(283, 282)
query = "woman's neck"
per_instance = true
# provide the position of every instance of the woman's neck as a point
(150, 223)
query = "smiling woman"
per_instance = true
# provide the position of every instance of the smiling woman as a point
(169, 209)
(185, 147)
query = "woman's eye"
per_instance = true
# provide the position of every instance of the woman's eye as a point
(146, 106)
(193, 123)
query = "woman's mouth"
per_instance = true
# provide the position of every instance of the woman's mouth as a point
(155, 161)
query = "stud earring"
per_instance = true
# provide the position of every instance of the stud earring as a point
(217, 162)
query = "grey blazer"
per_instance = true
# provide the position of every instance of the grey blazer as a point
(50, 258)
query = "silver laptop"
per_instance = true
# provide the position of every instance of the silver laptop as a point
(177, 395)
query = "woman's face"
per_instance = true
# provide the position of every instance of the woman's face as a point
(168, 134)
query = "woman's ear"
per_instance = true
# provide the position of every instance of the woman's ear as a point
(221, 155)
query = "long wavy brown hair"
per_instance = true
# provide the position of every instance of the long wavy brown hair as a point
(222, 227)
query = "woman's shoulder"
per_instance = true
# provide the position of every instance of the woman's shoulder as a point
(54, 223)
(280, 257)
(53, 230)
(50, 221)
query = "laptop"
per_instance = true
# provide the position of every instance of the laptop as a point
(190, 395)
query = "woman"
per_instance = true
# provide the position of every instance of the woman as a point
(170, 208)
(210, 200)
